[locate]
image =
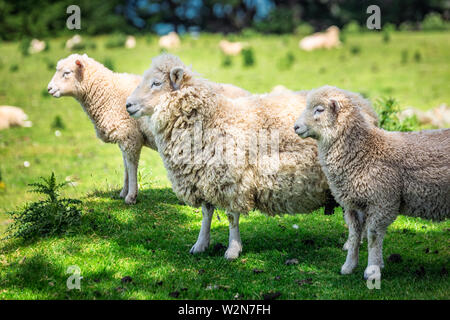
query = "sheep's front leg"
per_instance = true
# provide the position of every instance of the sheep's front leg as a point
(204, 236)
(234, 244)
(355, 227)
(132, 165)
(124, 191)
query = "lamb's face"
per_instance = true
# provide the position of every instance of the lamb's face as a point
(153, 90)
(65, 81)
(319, 118)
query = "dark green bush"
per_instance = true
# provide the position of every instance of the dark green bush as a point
(58, 123)
(109, 63)
(116, 41)
(355, 50)
(52, 216)
(24, 46)
(248, 57)
(14, 67)
(434, 22)
(388, 110)
(227, 61)
(286, 62)
(417, 56)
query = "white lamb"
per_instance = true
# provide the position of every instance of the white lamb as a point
(170, 41)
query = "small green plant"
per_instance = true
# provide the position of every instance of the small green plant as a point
(58, 123)
(14, 67)
(24, 46)
(355, 50)
(287, 61)
(388, 110)
(227, 61)
(386, 36)
(2, 184)
(417, 56)
(117, 40)
(51, 216)
(352, 27)
(109, 63)
(304, 29)
(248, 57)
(404, 56)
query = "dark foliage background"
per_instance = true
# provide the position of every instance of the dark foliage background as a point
(45, 18)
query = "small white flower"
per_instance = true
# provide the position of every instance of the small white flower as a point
(58, 133)
(26, 164)
(295, 226)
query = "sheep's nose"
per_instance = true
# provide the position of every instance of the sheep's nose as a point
(49, 88)
(296, 127)
(129, 104)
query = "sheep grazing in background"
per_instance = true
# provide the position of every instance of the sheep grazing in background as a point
(130, 42)
(36, 46)
(328, 39)
(375, 174)
(289, 180)
(170, 41)
(102, 94)
(438, 117)
(73, 42)
(231, 48)
(13, 116)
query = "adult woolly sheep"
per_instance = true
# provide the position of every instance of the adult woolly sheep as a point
(375, 174)
(178, 101)
(102, 94)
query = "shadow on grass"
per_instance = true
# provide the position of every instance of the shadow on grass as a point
(150, 242)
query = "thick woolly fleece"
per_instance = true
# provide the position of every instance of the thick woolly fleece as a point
(298, 186)
(376, 174)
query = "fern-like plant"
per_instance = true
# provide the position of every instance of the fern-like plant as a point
(47, 217)
(388, 110)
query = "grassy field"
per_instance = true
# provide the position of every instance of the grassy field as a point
(150, 241)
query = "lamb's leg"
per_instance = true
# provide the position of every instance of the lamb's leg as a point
(354, 240)
(363, 236)
(124, 191)
(132, 164)
(234, 244)
(377, 225)
(203, 237)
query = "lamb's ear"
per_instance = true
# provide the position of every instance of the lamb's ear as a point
(335, 105)
(79, 70)
(176, 77)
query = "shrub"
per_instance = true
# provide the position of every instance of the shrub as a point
(58, 123)
(116, 41)
(14, 67)
(352, 27)
(388, 110)
(24, 46)
(404, 56)
(226, 61)
(109, 63)
(249, 33)
(355, 50)
(304, 29)
(286, 62)
(417, 56)
(248, 57)
(386, 36)
(434, 22)
(2, 184)
(406, 26)
(48, 217)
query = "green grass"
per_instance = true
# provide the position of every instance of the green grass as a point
(151, 240)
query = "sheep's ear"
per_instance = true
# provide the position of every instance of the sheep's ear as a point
(79, 70)
(335, 105)
(176, 76)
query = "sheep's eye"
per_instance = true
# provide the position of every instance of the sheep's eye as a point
(66, 73)
(156, 84)
(318, 110)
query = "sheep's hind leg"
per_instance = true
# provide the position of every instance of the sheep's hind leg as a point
(124, 191)
(376, 229)
(204, 235)
(234, 244)
(354, 240)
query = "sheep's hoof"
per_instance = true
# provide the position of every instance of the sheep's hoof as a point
(232, 253)
(130, 199)
(372, 272)
(199, 247)
(345, 247)
(348, 268)
(123, 193)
